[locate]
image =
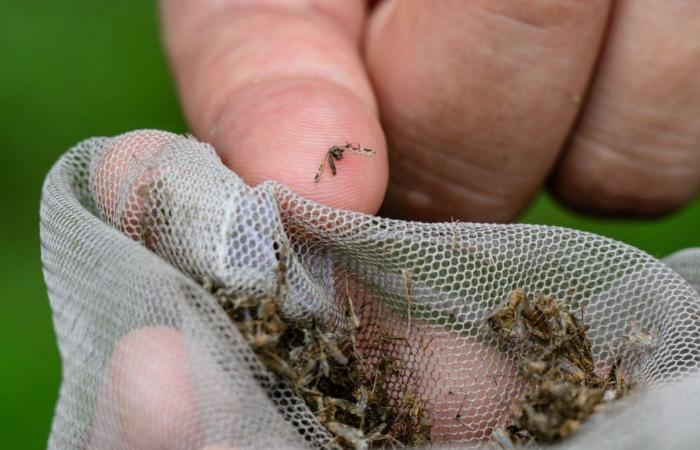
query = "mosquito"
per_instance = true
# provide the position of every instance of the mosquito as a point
(335, 153)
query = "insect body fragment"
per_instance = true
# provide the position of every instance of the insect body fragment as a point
(335, 153)
(554, 355)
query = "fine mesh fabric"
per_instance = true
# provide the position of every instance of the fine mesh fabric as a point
(133, 226)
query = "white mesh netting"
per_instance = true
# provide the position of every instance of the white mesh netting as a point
(132, 226)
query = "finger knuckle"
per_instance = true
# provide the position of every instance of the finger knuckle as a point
(627, 177)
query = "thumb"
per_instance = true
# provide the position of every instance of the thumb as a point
(273, 85)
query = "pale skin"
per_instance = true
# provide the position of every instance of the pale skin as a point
(471, 107)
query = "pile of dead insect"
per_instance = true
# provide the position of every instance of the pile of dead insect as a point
(348, 395)
(554, 355)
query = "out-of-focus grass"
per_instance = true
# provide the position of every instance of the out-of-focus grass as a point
(76, 68)
(659, 237)
(70, 69)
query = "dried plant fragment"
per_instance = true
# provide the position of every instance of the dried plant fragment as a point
(554, 354)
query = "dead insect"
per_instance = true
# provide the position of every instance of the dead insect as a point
(504, 438)
(330, 345)
(278, 365)
(362, 396)
(554, 355)
(306, 375)
(259, 338)
(615, 386)
(348, 391)
(352, 408)
(533, 367)
(354, 320)
(335, 153)
(640, 339)
(507, 320)
(356, 438)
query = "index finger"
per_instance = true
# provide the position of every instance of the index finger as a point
(273, 85)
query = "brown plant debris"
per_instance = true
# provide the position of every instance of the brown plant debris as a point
(554, 355)
(350, 396)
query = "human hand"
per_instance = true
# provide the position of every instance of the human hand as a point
(156, 388)
(481, 102)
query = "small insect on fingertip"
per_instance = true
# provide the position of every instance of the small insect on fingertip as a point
(335, 153)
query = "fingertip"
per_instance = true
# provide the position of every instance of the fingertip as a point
(147, 399)
(121, 170)
(281, 130)
(273, 85)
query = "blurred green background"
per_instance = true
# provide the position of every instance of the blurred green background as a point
(71, 69)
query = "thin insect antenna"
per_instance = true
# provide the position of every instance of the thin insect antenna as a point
(461, 406)
(361, 150)
(458, 416)
(424, 345)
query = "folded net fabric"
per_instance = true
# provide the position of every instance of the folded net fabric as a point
(134, 226)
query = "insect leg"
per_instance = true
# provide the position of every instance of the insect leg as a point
(332, 164)
(320, 171)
